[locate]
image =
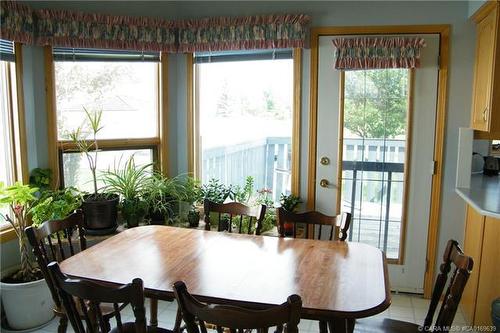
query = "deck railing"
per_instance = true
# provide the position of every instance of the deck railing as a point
(267, 161)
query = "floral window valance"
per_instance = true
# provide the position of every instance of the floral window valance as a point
(243, 33)
(377, 52)
(66, 28)
(16, 22)
(77, 29)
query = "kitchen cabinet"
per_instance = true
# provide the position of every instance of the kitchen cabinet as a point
(486, 92)
(482, 234)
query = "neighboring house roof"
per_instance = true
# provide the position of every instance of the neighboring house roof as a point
(114, 103)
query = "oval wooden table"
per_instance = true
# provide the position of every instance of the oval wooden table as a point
(338, 281)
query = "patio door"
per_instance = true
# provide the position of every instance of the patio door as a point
(375, 145)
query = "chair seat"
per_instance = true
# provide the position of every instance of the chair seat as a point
(385, 325)
(129, 327)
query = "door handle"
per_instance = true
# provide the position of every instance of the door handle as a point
(324, 183)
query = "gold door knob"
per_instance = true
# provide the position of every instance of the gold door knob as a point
(324, 183)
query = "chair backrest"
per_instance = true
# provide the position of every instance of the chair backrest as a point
(196, 314)
(462, 268)
(336, 226)
(248, 216)
(52, 241)
(82, 298)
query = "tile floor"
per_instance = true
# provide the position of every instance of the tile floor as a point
(405, 307)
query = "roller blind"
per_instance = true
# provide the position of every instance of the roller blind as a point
(76, 54)
(207, 57)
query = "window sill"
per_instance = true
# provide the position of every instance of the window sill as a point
(7, 233)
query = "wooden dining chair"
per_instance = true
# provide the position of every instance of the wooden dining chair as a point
(57, 240)
(336, 228)
(333, 227)
(235, 319)
(84, 297)
(462, 266)
(252, 215)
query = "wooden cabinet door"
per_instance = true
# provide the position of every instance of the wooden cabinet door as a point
(483, 77)
(489, 273)
(472, 247)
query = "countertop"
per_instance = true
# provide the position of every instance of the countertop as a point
(483, 195)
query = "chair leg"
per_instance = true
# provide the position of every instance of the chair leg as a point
(178, 321)
(63, 324)
(153, 312)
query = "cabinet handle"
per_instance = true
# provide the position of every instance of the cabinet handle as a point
(485, 113)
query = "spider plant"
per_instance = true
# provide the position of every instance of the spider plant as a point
(130, 183)
(162, 193)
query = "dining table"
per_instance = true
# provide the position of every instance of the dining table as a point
(338, 282)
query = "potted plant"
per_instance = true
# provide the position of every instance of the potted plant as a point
(130, 183)
(100, 209)
(290, 203)
(216, 192)
(264, 197)
(54, 205)
(192, 195)
(161, 193)
(26, 299)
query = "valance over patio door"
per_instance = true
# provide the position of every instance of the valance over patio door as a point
(377, 52)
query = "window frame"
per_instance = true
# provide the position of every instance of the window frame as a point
(18, 131)
(158, 144)
(193, 119)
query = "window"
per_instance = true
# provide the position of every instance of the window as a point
(11, 164)
(376, 106)
(244, 118)
(125, 87)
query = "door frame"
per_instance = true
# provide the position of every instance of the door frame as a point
(441, 109)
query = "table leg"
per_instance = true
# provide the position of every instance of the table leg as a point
(323, 328)
(153, 312)
(341, 325)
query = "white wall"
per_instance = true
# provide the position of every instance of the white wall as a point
(323, 13)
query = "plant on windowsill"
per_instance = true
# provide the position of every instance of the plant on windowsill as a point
(26, 298)
(130, 182)
(290, 203)
(192, 195)
(162, 193)
(99, 208)
(55, 205)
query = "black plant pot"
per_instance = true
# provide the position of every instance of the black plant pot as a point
(100, 214)
(134, 220)
(157, 218)
(193, 219)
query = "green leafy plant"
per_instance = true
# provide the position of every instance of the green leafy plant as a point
(130, 182)
(54, 205)
(289, 202)
(216, 191)
(89, 148)
(243, 194)
(20, 198)
(41, 178)
(161, 193)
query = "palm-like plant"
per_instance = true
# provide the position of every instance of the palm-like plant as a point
(20, 198)
(89, 148)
